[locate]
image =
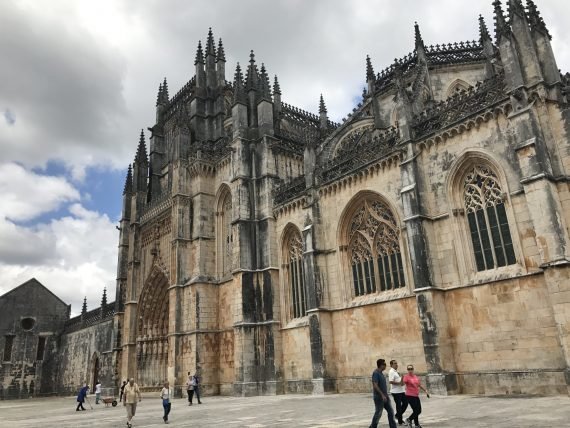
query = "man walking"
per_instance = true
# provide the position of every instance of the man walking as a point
(398, 391)
(97, 392)
(380, 395)
(130, 400)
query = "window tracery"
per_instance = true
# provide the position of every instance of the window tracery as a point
(227, 235)
(487, 219)
(374, 249)
(295, 274)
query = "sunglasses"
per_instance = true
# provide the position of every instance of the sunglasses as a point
(410, 368)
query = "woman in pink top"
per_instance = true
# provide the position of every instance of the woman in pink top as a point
(413, 386)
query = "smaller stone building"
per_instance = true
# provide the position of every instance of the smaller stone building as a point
(45, 352)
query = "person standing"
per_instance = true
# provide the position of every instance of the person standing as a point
(130, 400)
(122, 391)
(165, 395)
(196, 384)
(81, 397)
(413, 386)
(398, 391)
(380, 395)
(97, 392)
(190, 388)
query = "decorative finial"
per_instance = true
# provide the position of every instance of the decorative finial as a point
(239, 93)
(418, 36)
(165, 96)
(104, 298)
(501, 26)
(535, 20)
(276, 87)
(483, 32)
(264, 86)
(252, 77)
(141, 155)
(516, 6)
(159, 96)
(128, 182)
(210, 45)
(199, 54)
(221, 54)
(322, 107)
(84, 308)
(369, 70)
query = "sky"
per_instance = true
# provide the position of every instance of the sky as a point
(79, 79)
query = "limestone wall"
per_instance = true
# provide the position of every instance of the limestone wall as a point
(78, 355)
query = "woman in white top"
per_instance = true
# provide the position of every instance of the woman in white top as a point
(165, 395)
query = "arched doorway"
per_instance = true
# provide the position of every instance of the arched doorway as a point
(152, 331)
(96, 366)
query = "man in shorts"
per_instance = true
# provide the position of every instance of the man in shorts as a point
(130, 400)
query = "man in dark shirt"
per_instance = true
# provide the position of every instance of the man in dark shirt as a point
(380, 395)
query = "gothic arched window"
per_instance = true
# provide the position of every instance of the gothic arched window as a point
(226, 234)
(487, 219)
(374, 249)
(295, 274)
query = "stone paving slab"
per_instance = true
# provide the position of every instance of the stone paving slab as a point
(331, 411)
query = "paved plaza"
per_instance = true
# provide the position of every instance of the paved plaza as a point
(346, 410)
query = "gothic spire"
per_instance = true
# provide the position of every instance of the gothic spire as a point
(535, 20)
(516, 6)
(322, 107)
(159, 96)
(104, 298)
(264, 86)
(251, 81)
(239, 93)
(129, 182)
(165, 96)
(221, 54)
(369, 70)
(141, 156)
(210, 45)
(199, 54)
(84, 308)
(418, 36)
(276, 87)
(501, 26)
(483, 31)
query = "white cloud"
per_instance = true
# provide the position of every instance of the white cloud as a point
(26, 195)
(74, 256)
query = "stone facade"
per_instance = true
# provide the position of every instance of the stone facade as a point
(45, 352)
(276, 251)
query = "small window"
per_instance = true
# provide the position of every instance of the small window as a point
(28, 323)
(41, 348)
(8, 343)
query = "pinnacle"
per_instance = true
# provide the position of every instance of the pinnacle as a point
(159, 96)
(501, 26)
(369, 69)
(128, 182)
(239, 94)
(264, 86)
(534, 18)
(199, 54)
(210, 46)
(104, 298)
(84, 308)
(483, 31)
(252, 77)
(516, 6)
(418, 36)
(322, 107)
(221, 54)
(276, 87)
(141, 155)
(165, 91)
